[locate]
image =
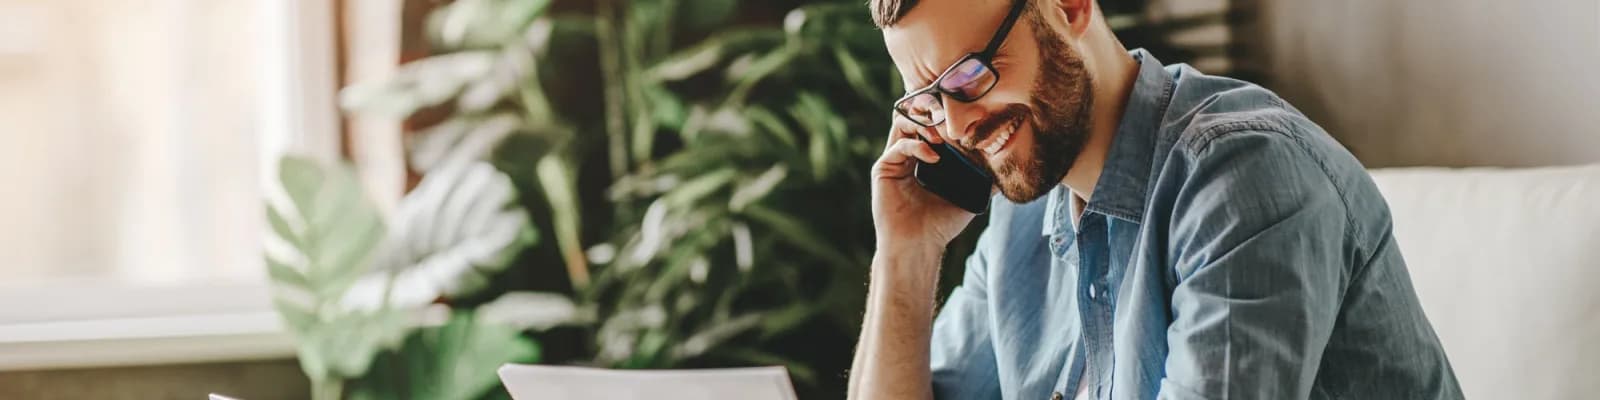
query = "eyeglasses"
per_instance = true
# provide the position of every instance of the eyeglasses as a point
(965, 81)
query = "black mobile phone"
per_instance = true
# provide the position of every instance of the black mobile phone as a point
(955, 178)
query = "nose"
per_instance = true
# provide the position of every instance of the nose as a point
(960, 119)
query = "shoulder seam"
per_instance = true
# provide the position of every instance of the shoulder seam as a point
(1202, 142)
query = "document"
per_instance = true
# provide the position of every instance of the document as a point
(540, 382)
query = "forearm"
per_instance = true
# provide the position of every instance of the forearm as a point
(891, 360)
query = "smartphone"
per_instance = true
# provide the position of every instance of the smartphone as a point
(955, 178)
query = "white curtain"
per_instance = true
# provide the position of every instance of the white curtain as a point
(132, 139)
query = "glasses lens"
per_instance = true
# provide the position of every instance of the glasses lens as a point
(968, 80)
(923, 108)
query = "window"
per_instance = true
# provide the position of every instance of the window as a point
(136, 137)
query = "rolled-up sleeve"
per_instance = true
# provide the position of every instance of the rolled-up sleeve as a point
(1260, 251)
(962, 355)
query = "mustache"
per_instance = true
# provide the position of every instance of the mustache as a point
(987, 127)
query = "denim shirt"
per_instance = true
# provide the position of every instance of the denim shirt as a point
(1231, 250)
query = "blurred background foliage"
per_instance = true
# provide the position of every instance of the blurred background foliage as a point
(688, 180)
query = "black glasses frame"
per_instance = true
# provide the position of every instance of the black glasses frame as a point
(986, 57)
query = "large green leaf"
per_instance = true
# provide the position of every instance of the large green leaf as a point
(456, 361)
(482, 23)
(332, 231)
(423, 83)
(461, 140)
(460, 225)
(344, 347)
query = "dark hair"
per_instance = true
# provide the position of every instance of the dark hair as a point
(886, 13)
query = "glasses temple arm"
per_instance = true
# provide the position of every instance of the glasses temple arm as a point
(1005, 28)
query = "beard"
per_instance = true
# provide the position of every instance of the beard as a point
(1057, 112)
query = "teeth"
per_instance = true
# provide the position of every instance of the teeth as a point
(999, 142)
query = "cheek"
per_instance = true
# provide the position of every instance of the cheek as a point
(1027, 147)
(1017, 74)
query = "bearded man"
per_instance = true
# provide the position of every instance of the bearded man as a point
(1159, 234)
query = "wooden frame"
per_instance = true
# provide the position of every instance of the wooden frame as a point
(370, 37)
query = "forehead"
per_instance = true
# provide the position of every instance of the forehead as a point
(937, 32)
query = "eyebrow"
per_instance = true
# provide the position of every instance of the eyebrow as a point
(923, 83)
(996, 43)
(918, 83)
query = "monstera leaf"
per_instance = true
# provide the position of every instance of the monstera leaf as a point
(482, 23)
(325, 235)
(456, 361)
(345, 346)
(423, 83)
(459, 226)
(461, 140)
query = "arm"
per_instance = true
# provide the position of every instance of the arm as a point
(1260, 248)
(891, 359)
(955, 358)
(912, 228)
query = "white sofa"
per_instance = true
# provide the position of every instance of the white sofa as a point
(1507, 264)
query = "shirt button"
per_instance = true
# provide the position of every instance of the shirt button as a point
(1055, 396)
(1091, 291)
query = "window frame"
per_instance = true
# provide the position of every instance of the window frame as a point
(72, 324)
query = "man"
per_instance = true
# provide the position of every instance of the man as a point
(1163, 233)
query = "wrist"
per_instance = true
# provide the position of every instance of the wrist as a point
(910, 268)
(912, 250)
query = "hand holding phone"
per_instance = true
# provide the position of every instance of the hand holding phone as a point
(909, 217)
(956, 179)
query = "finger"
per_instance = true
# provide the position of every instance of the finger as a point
(905, 149)
(896, 160)
(904, 127)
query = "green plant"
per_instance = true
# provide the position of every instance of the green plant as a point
(455, 361)
(351, 291)
(740, 231)
(332, 232)
(718, 147)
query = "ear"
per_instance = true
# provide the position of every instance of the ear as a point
(1078, 14)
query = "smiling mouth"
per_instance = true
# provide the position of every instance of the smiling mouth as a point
(1002, 137)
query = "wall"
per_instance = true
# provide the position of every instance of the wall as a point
(1435, 82)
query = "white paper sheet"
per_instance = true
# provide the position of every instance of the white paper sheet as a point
(540, 382)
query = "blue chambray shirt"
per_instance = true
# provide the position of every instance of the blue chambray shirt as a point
(1231, 250)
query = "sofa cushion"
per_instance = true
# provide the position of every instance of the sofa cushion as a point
(1507, 265)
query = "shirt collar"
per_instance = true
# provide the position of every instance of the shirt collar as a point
(1120, 192)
